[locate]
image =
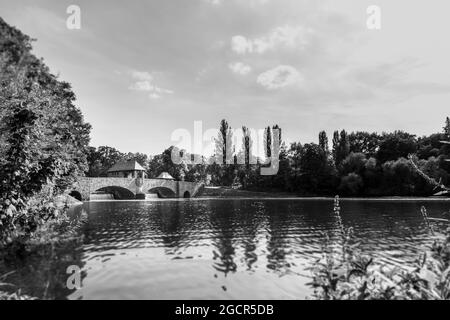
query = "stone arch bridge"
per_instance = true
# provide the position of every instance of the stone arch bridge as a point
(136, 187)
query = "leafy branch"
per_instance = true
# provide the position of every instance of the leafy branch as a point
(430, 180)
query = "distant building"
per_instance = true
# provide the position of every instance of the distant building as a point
(165, 176)
(127, 169)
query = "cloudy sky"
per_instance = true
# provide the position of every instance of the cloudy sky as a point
(142, 69)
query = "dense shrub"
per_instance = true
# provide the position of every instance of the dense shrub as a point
(352, 184)
(43, 137)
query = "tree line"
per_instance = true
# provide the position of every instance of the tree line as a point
(352, 164)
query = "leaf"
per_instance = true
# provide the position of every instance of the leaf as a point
(340, 273)
(429, 277)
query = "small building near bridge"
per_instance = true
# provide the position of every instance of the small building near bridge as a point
(165, 176)
(127, 169)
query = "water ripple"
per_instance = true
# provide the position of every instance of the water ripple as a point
(253, 248)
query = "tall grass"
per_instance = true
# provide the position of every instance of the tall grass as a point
(345, 272)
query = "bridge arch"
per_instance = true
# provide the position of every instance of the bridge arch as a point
(163, 192)
(119, 193)
(76, 194)
(186, 194)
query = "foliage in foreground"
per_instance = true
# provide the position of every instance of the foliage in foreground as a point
(344, 272)
(43, 137)
(15, 296)
(33, 268)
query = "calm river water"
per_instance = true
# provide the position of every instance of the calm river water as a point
(218, 248)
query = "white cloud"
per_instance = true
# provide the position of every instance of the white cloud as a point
(142, 86)
(241, 45)
(251, 3)
(214, 2)
(258, 2)
(144, 81)
(280, 37)
(279, 77)
(240, 68)
(141, 75)
(154, 96)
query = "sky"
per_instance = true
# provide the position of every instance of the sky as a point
(143, 69)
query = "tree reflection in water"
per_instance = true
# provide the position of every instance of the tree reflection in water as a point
(141, 248)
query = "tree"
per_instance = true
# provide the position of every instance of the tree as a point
(323, 142)
(294, 154)
(247, 145)
(351, 184)
(198, 171)
(430, 146)
(224, 155)
(445, 149)
(435, 171)
(276, 128)
(101, 159)
(224, 144)
(335, 150)
(141, 158)
(268, 143)
(316, 172)
(364, 142)
(44, 138)
(396, 145)
(372, 177)
(280, 181)
(163, 163)
(354, 163)
(344, 145)
(341, 146)
(399, 178)
(447, 127)
(294, 157)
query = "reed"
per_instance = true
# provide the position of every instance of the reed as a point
(345, 272)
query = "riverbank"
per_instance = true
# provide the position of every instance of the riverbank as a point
(227, 192)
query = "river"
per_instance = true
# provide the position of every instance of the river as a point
(222, 248)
